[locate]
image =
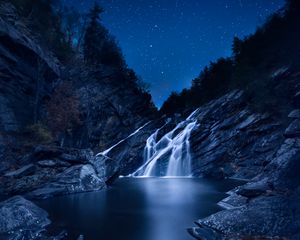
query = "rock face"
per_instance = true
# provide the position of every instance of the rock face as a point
(263, 217)
(21, 61)
(21, 219)
(111, 107)
(293, 130)
(233, 141)
(111, 110)
(56, 171)
(111, 104)
(267, 206)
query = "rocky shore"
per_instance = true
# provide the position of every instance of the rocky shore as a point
(267, 207)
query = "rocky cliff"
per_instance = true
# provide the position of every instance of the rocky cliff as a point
(23, 66)
(259, 148)
(110, 104)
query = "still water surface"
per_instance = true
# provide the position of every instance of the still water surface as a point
(138, 208)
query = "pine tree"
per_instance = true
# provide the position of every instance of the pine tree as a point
(95, 37)
(236, 47)
(99, 45)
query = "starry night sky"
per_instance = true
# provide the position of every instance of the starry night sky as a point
(168, 42)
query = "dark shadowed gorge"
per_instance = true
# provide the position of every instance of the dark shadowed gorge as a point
(85, 153)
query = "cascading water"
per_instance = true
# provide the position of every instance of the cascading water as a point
(104, 153)
(180, 160)
(149, 148)
(173, 148)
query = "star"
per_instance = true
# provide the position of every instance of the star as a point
(179, 36)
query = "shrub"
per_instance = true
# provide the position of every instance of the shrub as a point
(63, 110)
(39, 133)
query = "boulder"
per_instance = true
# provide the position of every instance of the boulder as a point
(75, 179)
(253, 190)
(100, 164)
(52, 163)
(21, 219)
(74, 156)
(233, 201)
(275, 216)
(293, 129)
(283, 171)
(24, 171)
(204, 233)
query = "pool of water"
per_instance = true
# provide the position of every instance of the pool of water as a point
(138, 208)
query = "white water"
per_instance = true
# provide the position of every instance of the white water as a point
(173, 147)
(104, 153)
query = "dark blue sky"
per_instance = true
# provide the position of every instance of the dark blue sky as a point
(168, 42)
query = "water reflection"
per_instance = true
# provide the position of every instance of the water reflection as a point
(138, 209)
(174, 204)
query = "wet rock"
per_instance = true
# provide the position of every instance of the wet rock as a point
(78, 156)
(52, 163)
(265, 216)
(293, 129)
(251, 120)
(28, 183)
(252, 190)
(267, 143)
(79, 178)
(282, 172)
(233, 120)
(101, 164)
(21, 219)
(233, 201)
(295, 114)
(24, 171)
(265, 208)
(204, 233)
(71, 171)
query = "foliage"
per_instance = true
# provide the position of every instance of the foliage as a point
(212, 82)
(99, 46)
(39, 133)
(273, 46)
(137, 81)
(63, 109)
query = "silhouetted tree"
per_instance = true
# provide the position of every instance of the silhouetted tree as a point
(236, 47)
(99, 46)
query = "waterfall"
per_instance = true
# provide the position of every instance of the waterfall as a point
(149, 148)
(104, 153)
(180, 161)
(173, 148)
